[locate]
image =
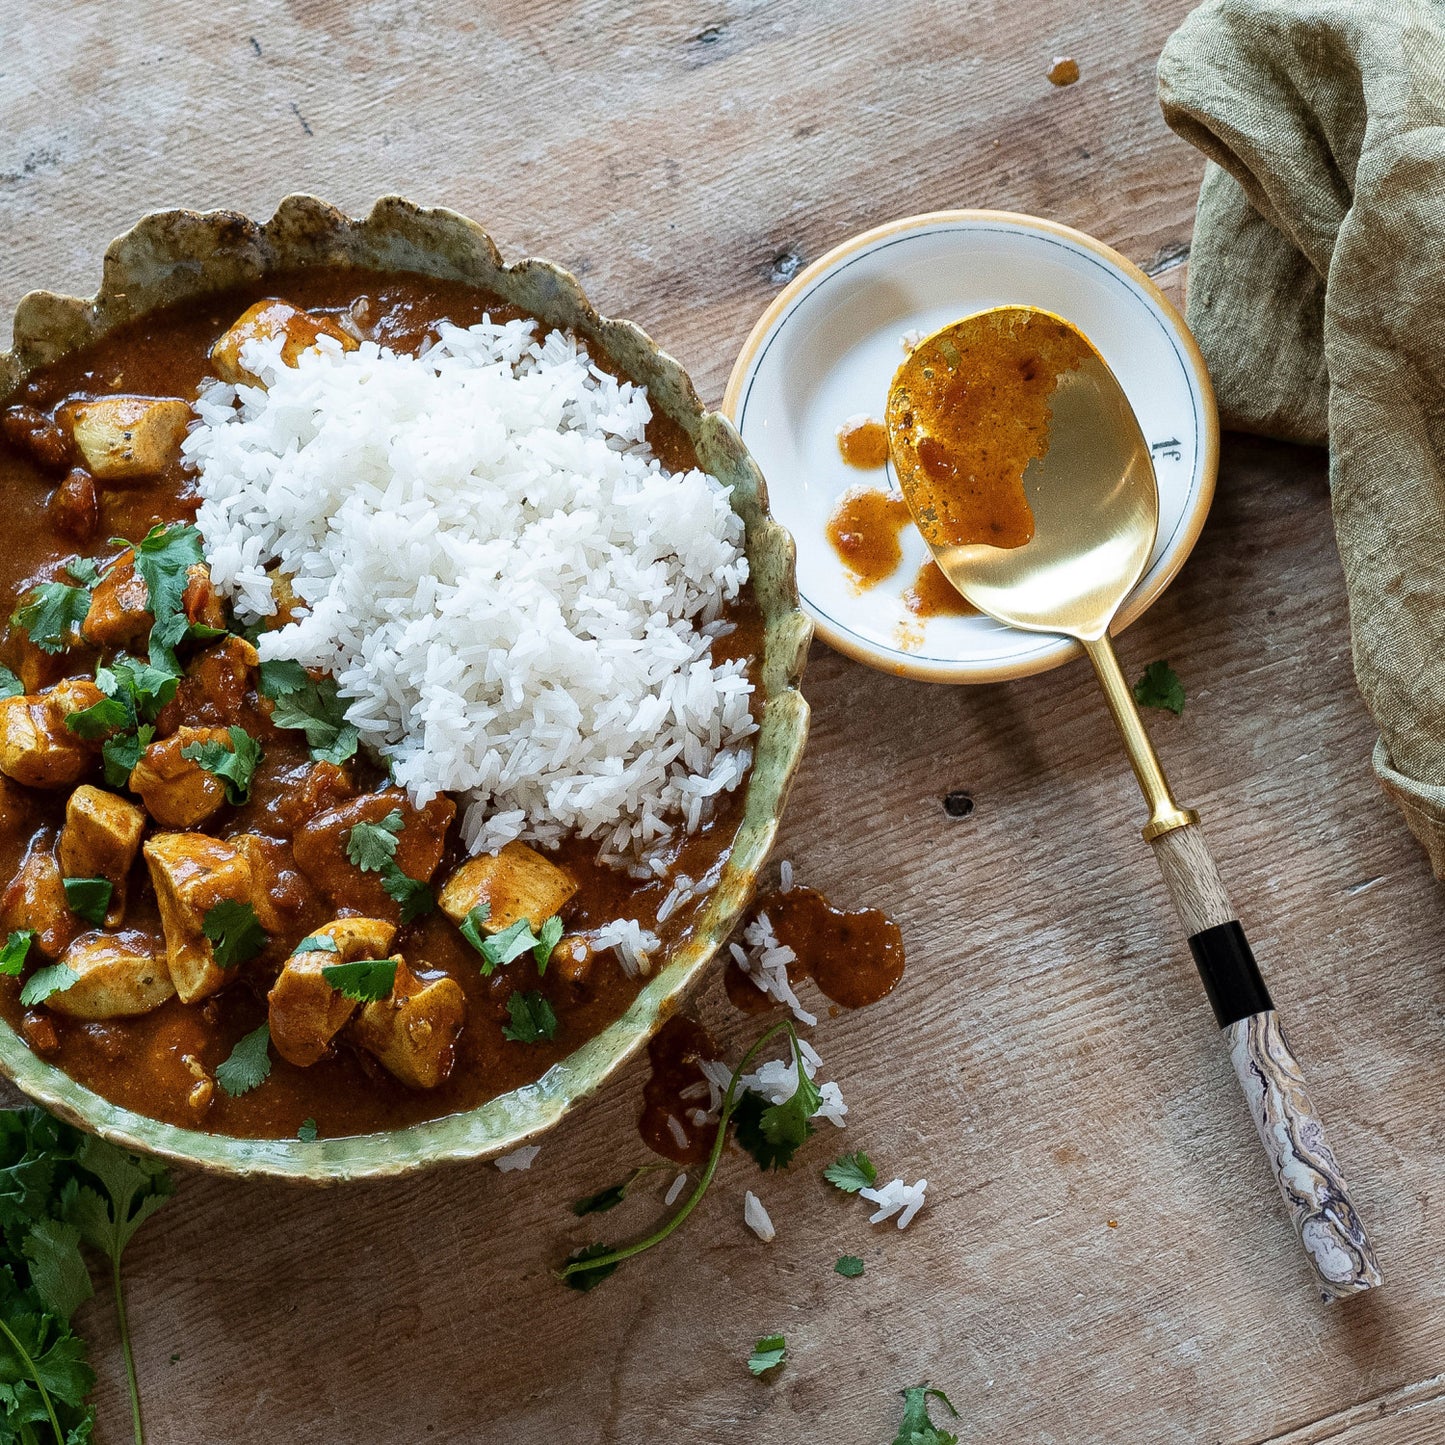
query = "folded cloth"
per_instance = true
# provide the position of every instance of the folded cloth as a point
(1317, 293)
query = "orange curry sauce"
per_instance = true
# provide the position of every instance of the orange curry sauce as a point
(147, 1063)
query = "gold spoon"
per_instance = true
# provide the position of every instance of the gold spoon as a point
(1024, 467)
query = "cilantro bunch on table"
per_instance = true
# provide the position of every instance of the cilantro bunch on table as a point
(61, 1193)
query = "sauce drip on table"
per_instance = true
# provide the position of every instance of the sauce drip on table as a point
(863, 443)
(864, 530)
(675, 1090)
(972, 415)
(1064, 70)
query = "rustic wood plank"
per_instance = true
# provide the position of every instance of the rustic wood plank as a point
(1048, 1062)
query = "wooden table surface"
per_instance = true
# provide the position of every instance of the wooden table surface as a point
(1102, 1257)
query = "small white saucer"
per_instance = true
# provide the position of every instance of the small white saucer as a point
(827, 348)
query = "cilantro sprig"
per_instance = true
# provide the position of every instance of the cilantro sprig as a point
(366, 980)
(234, 765)
(135, 692)
(768, 1354)
(916, 1428)
(15, 951)
(54, 610)
(773, 1133)
(163, 560)
(1160, 687)
(88, 898)
(613, 1195)
(371, 847)
(55, 978)
(235, 933)
(311, 706)
(599, 1257)
(533, 1020)
(249, 1063)
(10, 685)
(851, 1172)
(511, 942)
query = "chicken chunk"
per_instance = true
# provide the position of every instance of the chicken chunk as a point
(100, 839)
(36, 747)
(120, 976)
(119, 612)
(35, 900)
(191, 874)
(74, 507)
(265, 321)
(125, 438)
(413, 1033)
(33, 432)
(306, 1013)
(177, 792)
(282, 893)
(517, 882)
(320, 848)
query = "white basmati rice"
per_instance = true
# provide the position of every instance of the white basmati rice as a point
(776, 1080)
(516, 599)
(765, 961)
(518, 1159)
(893, 1197)
(676, 1188)
(785, 876)
(633, 944)
(756, 1218)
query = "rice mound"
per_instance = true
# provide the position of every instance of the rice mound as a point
(516, 599)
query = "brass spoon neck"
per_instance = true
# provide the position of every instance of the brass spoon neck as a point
(1164, 813)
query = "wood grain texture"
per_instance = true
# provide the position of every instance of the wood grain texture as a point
(1047, 1062)
(1192, 878)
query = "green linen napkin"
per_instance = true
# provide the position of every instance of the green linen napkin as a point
(1317, 293)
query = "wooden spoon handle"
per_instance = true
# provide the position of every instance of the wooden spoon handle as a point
(1313, 1188)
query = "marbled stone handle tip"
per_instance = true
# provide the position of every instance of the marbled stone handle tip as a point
(1310, 1182)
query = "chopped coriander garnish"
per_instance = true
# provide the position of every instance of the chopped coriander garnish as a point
(109, 715)
(613, 1195)
(249, 1064)
(548, 937)
(53, 615)
(46, 981)
(16, 951)
(1160, 687)
(307, 1132)
(773, 1133)
(532, 1018)
(849, 1266)
(768, 1354)
(851, 1172)
(471, 928)
(88, 898)
(413, 894)
(371, 846)
(10, 685)
(316, 943)
(163, 560)
(121, 754)
(235, 933)
(599, 1257)
(916, 1428)
(313, 707)
(366, 979)
(511, 942)
(235, 766)
(588, 1276)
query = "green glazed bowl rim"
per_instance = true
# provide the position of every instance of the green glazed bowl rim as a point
(172, 256)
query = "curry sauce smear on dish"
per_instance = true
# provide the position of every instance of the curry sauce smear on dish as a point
(89, 452)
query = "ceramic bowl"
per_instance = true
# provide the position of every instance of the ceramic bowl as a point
(174, 255)
(827, 348)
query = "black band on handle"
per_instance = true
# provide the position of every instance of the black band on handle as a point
(1230, 974)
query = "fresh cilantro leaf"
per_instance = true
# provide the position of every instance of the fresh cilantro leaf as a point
(46, 981)
(53, 615)
(57, 1268)
(307, 1132)
(163, 559)
(235, 932)
(773, 1133)
(501, 948)
(313, 707)
(1160, 687)
(471, 928)
(109, 715)
(613, 1195)
(88, 898)
(586, 1279)
(316, 943)
(121, 754)
(371, 846)
(366, 979)
(532, 1018)
(916, 1428)
(235, 766)
(849, 1266)
(548, 937)
(84, 570)
(15, 951)
(851, 1172)
(145, 688)
(249, 1064)
(768, 1354)
(10, 685)
(413, 894)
